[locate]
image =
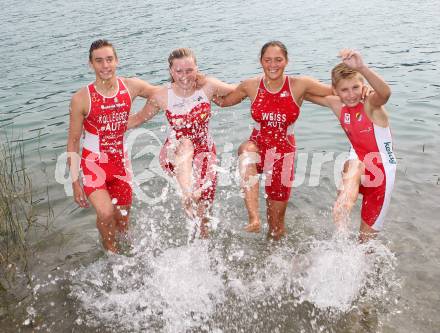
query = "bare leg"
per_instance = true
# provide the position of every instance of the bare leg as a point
(105, 218)
(205, 180)
(348, 193)
(184, 162)
(276, 211)
(366, 233)
(122, 216)
(248, 152)
(203, 209)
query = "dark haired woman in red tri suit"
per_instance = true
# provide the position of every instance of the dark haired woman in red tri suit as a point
(270, 150)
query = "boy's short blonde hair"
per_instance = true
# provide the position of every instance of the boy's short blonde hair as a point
(342, 71)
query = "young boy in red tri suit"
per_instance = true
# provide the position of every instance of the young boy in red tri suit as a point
(371, 167)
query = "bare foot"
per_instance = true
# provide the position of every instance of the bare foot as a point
(112, 248)
(253, 226)
(188, 206)
(197, 194)
(204, 234)
(276, 234)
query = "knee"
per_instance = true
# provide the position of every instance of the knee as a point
(105, 216)
(247, 147)
(353, 168)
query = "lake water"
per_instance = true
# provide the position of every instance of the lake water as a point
(235, 282)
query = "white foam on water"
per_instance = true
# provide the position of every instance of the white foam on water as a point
(173, 291)
(269, 278)
(193, 228)
(336, 272)
(187, 285)
(172, 285)
(335, 276)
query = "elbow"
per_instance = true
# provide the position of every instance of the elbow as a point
(134, 121)
(386, 94)
(132, 125)
(220, 102)
(226, 104)
(73, 145)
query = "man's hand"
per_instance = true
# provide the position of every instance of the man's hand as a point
(79, 195)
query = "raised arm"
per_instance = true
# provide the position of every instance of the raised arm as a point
(382, 91)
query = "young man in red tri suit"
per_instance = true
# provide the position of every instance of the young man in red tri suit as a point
(101, 110)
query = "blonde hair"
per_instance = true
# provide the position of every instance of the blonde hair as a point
(342, 72)
(183, 52)
(180, 53)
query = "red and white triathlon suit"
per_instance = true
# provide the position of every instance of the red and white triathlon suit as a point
(275, 115)
(104, 162)
(189, 118)
(373, 145)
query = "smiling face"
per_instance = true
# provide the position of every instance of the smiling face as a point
(104, 62)
(183, 72)
(349, 90)
(274, 61)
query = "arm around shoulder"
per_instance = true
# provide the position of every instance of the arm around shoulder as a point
(237, 95)
(138, 87)
(314, 87)
(319, 100)
(150, 109)
(217, 88)
(331, 101)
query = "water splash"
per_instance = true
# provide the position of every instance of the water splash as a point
(229, 283)
(337, 272)
(171, 290)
